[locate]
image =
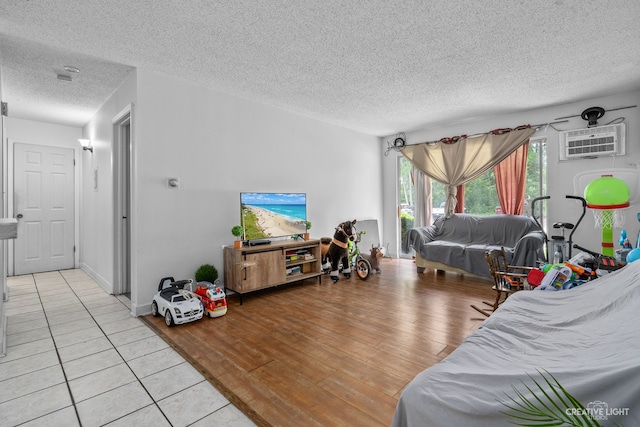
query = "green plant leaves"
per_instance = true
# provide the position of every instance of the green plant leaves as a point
(550, 405)
(206, 273)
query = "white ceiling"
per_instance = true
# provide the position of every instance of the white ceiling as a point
(375, 66)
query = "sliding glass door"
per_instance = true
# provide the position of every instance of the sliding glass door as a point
(405, 202)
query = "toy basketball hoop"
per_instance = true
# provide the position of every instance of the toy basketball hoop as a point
(605, 197)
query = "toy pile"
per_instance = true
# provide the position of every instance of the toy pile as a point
(578, 270)
(626, 252)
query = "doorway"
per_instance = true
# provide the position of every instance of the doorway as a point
(122, 214)
(44, 204)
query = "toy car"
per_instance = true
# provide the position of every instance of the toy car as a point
(175, 303)
(213, 299)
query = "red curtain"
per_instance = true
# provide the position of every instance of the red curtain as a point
(511, 180)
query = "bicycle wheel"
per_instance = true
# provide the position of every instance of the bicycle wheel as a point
(363, 269)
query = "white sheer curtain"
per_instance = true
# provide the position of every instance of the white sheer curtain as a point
(423, 202)
(464, 159)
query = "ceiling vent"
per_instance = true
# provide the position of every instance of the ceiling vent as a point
(593, 142)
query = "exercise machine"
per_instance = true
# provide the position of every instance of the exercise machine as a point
(561, 246)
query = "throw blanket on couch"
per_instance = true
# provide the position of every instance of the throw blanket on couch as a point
(461, 241)
(586, 337)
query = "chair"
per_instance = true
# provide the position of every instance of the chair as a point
(506, 279)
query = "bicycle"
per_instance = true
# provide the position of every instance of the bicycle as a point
(358, 263)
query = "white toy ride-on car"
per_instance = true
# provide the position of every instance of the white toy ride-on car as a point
(176, 304)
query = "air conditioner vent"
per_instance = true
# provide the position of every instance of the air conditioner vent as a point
(598, 141)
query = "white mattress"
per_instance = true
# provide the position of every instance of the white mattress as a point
(588, 338)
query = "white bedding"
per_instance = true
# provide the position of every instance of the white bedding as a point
(588, 338)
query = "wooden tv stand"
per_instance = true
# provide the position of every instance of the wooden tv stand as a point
(251, 268)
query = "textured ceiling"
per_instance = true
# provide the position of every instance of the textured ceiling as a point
(376, 66)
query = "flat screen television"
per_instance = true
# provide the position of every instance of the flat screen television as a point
(272, 215)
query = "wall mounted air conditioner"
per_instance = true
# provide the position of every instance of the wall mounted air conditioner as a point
(608, 140)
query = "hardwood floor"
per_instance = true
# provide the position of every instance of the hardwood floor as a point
(331, 354)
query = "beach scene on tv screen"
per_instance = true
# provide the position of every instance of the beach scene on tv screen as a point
(273, 214)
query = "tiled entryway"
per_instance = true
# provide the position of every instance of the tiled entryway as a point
(76, 357)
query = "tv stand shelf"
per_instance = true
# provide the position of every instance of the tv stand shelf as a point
(252, 268)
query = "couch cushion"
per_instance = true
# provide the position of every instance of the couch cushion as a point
(497, 230)
(470, 258)
(444, 251)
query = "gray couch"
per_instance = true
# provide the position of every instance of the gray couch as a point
(458, 243)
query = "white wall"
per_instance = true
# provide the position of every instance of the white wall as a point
(97, 209)
(31, 132)
(559, 174)
(218, 146)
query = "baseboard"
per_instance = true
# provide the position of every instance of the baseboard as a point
(140, 310)
(104, 283)
(3, 333)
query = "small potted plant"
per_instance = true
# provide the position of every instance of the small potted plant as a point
(210, 291)
(206, 273)
(237, 231)
(308, 225)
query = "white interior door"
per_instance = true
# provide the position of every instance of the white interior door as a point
(44, 205)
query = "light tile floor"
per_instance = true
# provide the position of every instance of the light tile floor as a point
(76, 357)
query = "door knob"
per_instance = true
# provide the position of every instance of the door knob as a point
(19, 216)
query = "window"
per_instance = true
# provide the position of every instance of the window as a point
(481, 196)
(537, 177)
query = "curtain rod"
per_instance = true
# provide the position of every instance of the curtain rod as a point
(396, 146)
(537, 127)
